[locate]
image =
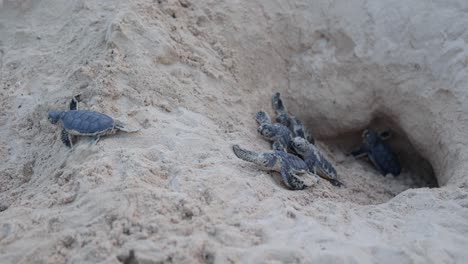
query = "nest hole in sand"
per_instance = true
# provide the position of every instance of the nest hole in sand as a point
(417, 172)
(363, 183)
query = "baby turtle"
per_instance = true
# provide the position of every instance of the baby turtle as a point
(379, 153)
(289, 166)
(316, 162)
(277, 133)
(291, 122)
(84, 123)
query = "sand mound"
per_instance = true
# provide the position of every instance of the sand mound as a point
(191, 75)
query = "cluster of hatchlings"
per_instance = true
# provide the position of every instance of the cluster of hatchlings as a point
(294, 153)
(296, 157)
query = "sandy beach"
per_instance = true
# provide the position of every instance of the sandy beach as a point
(191, 75)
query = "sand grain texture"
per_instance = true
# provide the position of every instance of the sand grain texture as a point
(191, 75)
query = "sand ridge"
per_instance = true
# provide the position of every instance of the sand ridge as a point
(191, 75)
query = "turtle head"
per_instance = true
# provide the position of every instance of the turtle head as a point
(370, 137)
(300, 145)
(267, 131)
(54, 116)
(386, 135)
(266, 161)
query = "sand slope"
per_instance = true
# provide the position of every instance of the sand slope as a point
(191, 75)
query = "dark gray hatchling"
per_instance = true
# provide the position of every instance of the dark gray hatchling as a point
(84, 123)
(316, 162)
(277, 133)
(291, 122)
(289, 166)
(379, 153)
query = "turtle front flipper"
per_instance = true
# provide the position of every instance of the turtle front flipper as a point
(291, 181)
(246, 155)
(291, 122)
(336, 183)
(359, 153)
(74, 102)
(282, 116)
(329, 176)
(278, 104)
(66, 138)
(299, 130)
(262, 118)
(308, 136)
(325, 168)
(267, 161)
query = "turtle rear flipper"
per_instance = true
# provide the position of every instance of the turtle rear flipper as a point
(122, 127)
(127, 130)
(262, 118)
(298, 128)
(336, 183)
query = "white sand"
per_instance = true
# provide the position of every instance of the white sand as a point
(192, 74)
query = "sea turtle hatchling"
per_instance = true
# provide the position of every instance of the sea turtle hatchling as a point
(84, 123)
(277, 133)
(316, 162)
(288, 165)
(379, 153)
(291, 122)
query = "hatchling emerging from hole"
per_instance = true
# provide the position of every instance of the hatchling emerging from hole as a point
(316, 162)
(289, 166)
(84, 123)
(291, 122)
(279, 134)
(379, 153)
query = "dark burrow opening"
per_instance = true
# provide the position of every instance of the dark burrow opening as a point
(417, 171)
